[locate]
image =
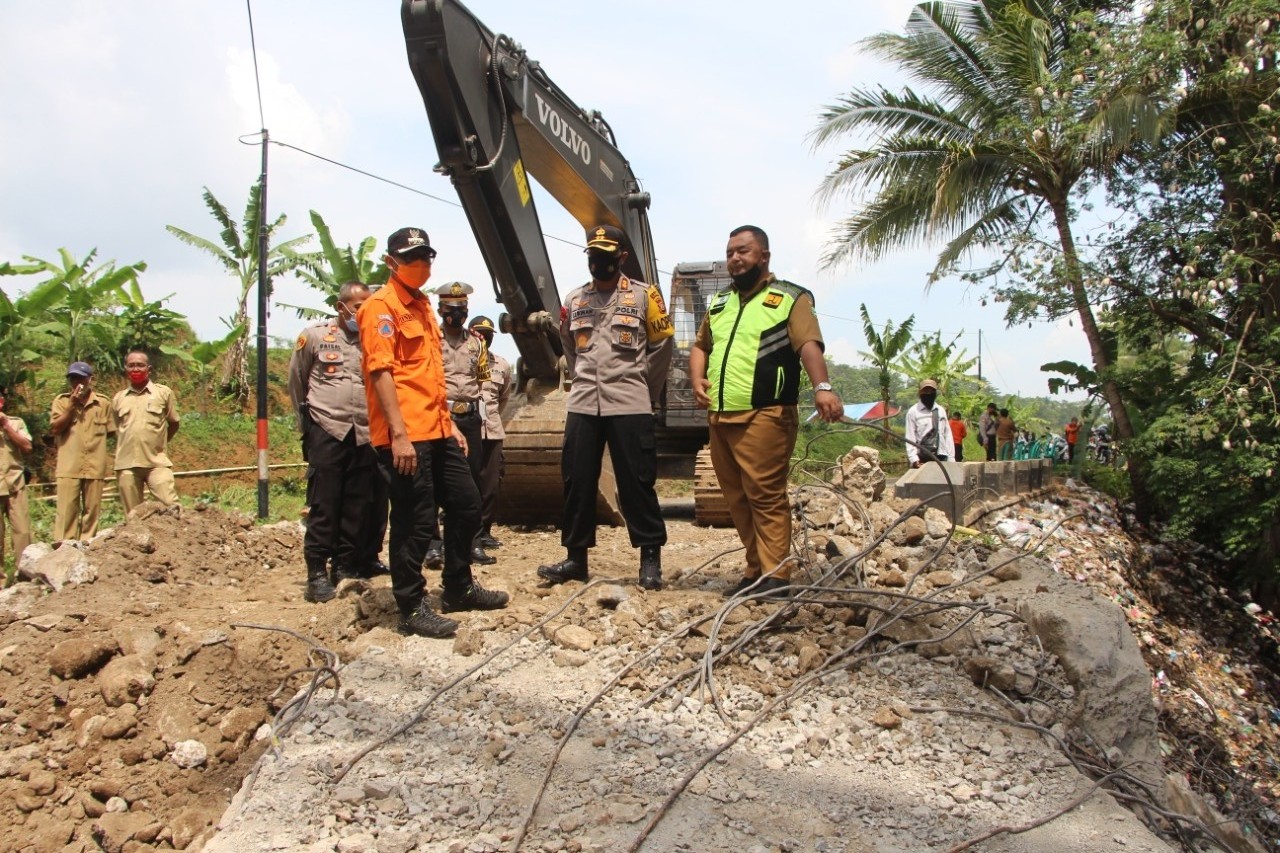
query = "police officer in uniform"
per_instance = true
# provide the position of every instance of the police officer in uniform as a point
(617, 340)
(495, 394)
(466, 369)
(328, 394)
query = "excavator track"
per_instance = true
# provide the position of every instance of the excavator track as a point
(710, 509)
(532, 490)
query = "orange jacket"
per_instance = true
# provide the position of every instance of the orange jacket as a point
(399, 332)
(1073, 432)
(958, 430)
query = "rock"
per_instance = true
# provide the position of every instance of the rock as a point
(137, 640)
(810, 657)
(569, 658)
(349, 794)
(573, 637)
(611, 595)
(468, 641)
(1007, 572)
(893, 578)
(125, 679)
(940, 579)
(65, 565)
(914, 530)
(114, 830)
(858, 473)
(239, 724)
(989, 672)
(188, 754)
(361, 842)
(119, 726)
(42, 783)
(1183, 800)
(30, 556)
(188, 825)
(885, 718)
(16, 601)
(839, 546)
(80, 656)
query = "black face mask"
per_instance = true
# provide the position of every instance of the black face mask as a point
(603, 268)
(747, 280)
(928, 399)
(454, 317)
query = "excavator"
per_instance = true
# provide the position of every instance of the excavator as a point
(498, 120)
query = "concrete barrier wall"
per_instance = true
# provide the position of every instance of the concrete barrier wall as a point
(954, 486)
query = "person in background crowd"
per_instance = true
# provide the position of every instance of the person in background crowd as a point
(327, 389)
(987, 431)
(145, 418)
(745, 368)
(958, 433)
(1006, 434)
(15, 441)
(1072, 433)
(928, 431)
(80, 420)
(495, 394)
(617, 340)
(420, 450)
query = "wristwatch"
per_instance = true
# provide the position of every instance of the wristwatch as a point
(822, 386)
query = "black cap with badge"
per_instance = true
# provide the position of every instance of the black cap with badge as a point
(605, 238)
(410, 243)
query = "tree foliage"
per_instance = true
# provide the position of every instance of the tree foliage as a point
(330, 268)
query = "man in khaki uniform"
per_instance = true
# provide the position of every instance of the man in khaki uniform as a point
(466, 369)
(80, 421)
(145, 417)
(495, 394)
(15, 440)
(617, 339)
(326, 386)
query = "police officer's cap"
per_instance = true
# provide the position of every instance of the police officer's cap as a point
(605, 238)
(410, 244)
(481, 324)
(455, 291)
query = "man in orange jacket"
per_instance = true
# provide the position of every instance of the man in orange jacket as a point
(958, 432)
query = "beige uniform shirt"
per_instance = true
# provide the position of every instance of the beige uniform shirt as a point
(495, 394)
(618, 345)
(466, 366)
(11, 459)
(82, 446)
(324, 373)
(141, 419)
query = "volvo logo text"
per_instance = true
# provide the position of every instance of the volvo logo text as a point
(562, 130)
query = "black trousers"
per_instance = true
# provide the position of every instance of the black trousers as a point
(442, 480)
(634, 452)
(491, 471)
(470, 426)
(374, 529)
(991, 448)
(340, 489)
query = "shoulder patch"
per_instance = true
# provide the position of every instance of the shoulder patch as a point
(773, 300)
(302, 340)
(385, 328)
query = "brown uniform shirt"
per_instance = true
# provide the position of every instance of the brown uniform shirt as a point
(495, 394)
(466, 366)
(82, 446)
(618, 344)
(141, 419)
(11, 459)
(324, 373)
(802, 327)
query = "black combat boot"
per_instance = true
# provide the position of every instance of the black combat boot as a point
(344, 573)
(422, 621)
(572, 568)
(651, 566)
(435, 556)
(487, 540)
(480, 558)
(319, 589)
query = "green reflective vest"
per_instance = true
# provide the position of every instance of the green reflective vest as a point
(752, 363)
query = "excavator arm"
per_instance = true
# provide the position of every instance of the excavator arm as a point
(498, 119)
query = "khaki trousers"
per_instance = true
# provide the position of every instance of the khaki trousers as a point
(79, 503)
(752, 460)
(13, 508)
(130, 482)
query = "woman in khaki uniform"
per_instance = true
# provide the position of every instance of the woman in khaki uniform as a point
(15, 440)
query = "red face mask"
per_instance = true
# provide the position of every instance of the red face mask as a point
(138, 375)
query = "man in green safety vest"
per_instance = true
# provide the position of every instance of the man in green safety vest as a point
(745, 367)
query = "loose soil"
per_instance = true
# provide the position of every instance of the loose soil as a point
(134, 706)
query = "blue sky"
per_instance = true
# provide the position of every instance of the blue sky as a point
(119, 114)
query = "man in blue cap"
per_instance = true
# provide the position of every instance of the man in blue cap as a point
(80, 420)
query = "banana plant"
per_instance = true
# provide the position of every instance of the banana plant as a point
(330, 268)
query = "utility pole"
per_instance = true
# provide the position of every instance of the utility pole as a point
(979, 354)
(263, 238)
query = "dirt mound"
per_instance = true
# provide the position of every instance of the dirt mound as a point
(132, 704)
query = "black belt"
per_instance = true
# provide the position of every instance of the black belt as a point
(463, 407)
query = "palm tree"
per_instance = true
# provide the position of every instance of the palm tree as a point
(885, 347)
(1021, 111)
(238, 254)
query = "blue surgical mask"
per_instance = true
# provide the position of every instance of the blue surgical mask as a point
(351, 324)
